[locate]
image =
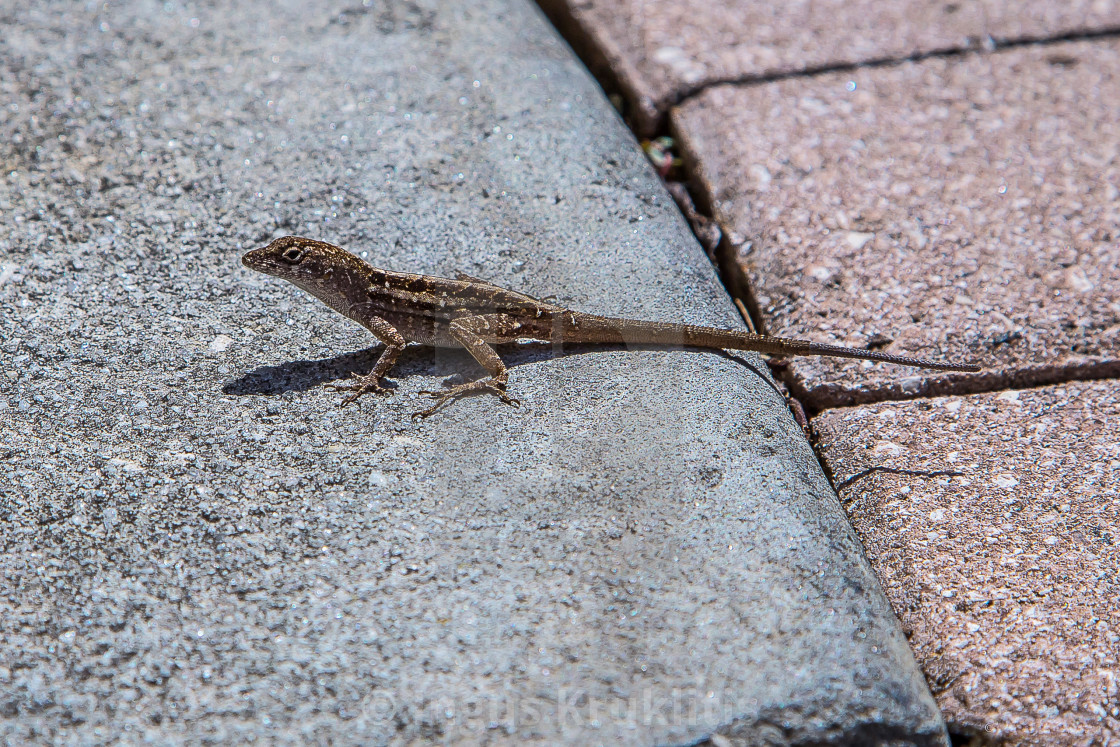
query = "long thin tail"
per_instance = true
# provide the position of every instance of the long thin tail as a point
(804, 347)
(588, 328)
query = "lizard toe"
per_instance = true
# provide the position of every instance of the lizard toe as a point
(501, 394)
(427, 411)
(362, 385)
(453, 393)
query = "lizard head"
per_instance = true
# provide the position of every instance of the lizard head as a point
(292, 258)
(324, 270)
(333, 275)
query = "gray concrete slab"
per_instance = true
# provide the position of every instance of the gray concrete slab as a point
(199, 545)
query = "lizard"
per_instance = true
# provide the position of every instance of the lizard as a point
(401, 308)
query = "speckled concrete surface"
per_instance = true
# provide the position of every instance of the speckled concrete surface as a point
(662, 50)
(199, 546)
(961, 208)
(1005, 574)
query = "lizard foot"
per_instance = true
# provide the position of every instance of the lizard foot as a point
(363, 385)
(462, 390)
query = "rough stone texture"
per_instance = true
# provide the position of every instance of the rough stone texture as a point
(962, 208)
(1005, 575)
(199, 546)
(662, 50)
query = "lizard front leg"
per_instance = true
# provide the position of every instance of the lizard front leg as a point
(472, 333)
(371, 382)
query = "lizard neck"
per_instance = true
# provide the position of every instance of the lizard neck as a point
(342, 286)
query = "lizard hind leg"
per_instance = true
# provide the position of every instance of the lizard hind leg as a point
(472, 333)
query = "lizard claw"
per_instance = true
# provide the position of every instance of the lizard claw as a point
(364, 384)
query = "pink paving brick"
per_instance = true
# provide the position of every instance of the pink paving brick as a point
(660, 50)
(1006, 576)
(964, 209)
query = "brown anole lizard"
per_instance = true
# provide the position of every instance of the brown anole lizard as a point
(399, 308)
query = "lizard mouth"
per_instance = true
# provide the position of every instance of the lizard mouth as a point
(258, 260)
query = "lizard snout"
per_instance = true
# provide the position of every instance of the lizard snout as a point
(255, 259)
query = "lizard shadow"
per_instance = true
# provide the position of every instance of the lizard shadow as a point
(303, 375)
(725, 354)
(586, 349)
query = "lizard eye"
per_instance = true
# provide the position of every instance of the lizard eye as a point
(293, 255)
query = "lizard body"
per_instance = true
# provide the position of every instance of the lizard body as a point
(401, 308)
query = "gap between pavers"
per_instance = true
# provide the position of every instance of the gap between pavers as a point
(660, 52)
(201, 545)
(951, 208)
